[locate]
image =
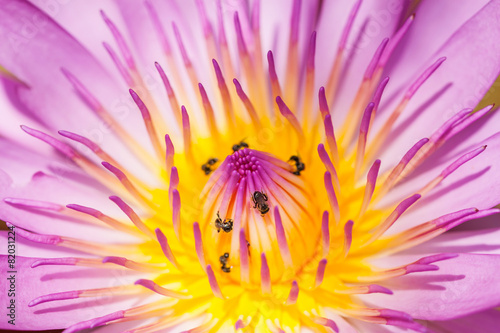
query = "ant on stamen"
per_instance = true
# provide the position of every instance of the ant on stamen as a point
(260, 202)
(299, 165)
(226, 225)
(240, 145)
(223, 261)
(207, 167)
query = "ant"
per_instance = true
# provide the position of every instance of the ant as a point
(207, 167)
(226, 225)
(259, 200)
(240, 145)
(223, 261)
(299, 165)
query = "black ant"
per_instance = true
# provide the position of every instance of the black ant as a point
(207, 167)
(223, 261)
(226, 225)
(240, 145)
(299, 165)
(259, 200)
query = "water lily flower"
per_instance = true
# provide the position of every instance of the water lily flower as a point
(253, 166)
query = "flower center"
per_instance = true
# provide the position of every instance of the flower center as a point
(251, 204)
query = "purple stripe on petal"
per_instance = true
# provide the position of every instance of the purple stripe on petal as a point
(281, 238)
(36, 204)
(60, 146)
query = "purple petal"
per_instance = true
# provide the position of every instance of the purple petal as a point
(57, 279)
(460, 82)
(455, 290)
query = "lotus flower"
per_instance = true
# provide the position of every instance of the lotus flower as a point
(271, 166)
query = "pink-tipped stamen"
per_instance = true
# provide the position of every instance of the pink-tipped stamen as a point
(111, 222)
(92, 323)
(389, 123)
(225, 95)
(451, 168)
(133, 265)
(395, 175)
(170, 152)
(231, 187)
(186, 131)
(53, 142)
(265, 275)
(361, 290)
(176, 213)
(292, 68)
(209, 112)
(124, 72)
(122, 45)
(158, 27)
(198, 241)
(347, 237)
(330, 139)
(167, 251)
(363, 134)
(150, 128)
(333, 79)
(375, 60)
(393, 217)
(293, 295)
(244, 260)
(224, 49)
(173, 182)
(275, 84)
(323, 155)
(320, 273)
(80, 293)
(282, 243)
(325, 234)
(461, 125)
(285, 112)
(127, 184)
(160, 290)
(327, 322)
(371, 181)
(185, 58)
(309, 81)
(68, 261)
(393, 43)
(332, 198)
(213, 282)
(132, 215)
(172, 98)
(248, 104)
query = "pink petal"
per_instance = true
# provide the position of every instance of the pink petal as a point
(89, 29)
(484, 241)
(460, 82)
(61, 314)
(61, 191)
(475, 184)
(485, 322)
(35, 54)
(435, 22)
(457, 289)
(375, 21)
